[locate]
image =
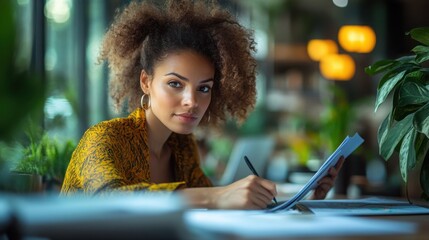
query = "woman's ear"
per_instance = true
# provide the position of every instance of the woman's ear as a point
(144, 81)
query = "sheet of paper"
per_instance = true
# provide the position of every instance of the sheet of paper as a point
(361, 207)
(260, 224)
(348, 145)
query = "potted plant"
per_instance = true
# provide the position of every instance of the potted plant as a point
(43, 160)
(406, 128)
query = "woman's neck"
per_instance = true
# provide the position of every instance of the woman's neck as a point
(159, 152)
(157, 133)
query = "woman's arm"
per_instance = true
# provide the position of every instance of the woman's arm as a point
(251, 192)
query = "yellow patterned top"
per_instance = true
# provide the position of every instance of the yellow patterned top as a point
(114, 156)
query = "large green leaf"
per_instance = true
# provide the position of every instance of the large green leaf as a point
(422, 53)
(412, 93)
(395, 115)
(408, 66)
(383, 130)
(424, 176)
(406, 59)
(407, 63)
(409, 96)
(419, 76)
(421, 35)
(401, 112)
(407, 154)
(394, 136)
(424, 71)
(421, 120)
(412, 96)
(421, 146)
(380, 66)
(386, 88)
(388, 64)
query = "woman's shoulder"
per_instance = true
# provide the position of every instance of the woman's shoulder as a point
(111, 125)
(116, 126)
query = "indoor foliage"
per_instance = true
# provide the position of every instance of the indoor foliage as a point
(406, 128)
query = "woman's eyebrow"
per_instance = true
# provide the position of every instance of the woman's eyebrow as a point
(177, 75)
(186, 79)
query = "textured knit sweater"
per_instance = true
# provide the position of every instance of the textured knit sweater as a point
(114, 156)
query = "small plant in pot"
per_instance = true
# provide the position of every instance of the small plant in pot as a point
(406, 128)
(43, 158)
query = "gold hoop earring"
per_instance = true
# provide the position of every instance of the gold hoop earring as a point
(145, 104)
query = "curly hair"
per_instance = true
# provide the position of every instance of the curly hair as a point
(143, 33)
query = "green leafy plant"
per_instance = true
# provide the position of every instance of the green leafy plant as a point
(45, 156)
(335, 119)
(406, 128)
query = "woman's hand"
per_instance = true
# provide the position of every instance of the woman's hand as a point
(326, 183)
(251, 192)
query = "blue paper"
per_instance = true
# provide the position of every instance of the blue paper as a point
(348, 145)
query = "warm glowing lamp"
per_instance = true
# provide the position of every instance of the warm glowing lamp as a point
(317, 48)
(354, 38)
(337, 67)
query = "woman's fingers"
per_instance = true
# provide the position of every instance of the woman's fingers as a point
(261, 189)
(260, 201)
(339, 164)
(251, 192)
(326, 183)
(269, 186)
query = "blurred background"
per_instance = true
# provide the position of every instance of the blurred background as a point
(53, 88)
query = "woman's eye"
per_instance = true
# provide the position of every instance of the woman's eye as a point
(175, 84)
(205, 89)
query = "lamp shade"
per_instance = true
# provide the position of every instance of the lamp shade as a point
(355, 38)
(317, 48)
(337, 67)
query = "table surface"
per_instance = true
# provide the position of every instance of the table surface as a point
(129, 223)
(422, 221)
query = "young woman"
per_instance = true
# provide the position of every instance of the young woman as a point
(175, 67)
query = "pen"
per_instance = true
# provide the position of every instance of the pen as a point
(249, 164)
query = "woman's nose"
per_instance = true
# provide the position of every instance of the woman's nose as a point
(189, 99)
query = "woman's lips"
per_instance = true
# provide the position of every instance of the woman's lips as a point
(186, 117)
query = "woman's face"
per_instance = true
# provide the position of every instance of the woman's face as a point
(179, 90)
